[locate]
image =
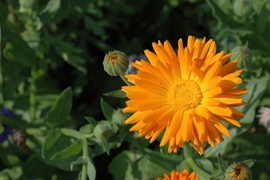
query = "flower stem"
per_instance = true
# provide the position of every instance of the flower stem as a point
(33, 95)
(192, 163)
(125, 80)
(1, 78)
(84, 165)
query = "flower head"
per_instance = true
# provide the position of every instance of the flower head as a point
(175, 175)
(238, 171)
(115, 63)
(264, 117)
(188, 95)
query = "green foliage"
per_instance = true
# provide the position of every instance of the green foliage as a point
(51, 77)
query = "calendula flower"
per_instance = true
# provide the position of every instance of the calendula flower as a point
(264, 117)
(175, 175)
(188, 95)
(238, 171)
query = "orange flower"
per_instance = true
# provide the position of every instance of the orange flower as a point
(188, 95)
(175, 175)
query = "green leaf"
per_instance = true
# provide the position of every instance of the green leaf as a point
(205, 164)
(249, 162)
(106, 109)
(121, 165)
(60, 110)
(91, 170)
(116, 94)
(91, 120)
(52, 7)
(87, 129)
(72, 133)
(222, 164)
(74, 60)
(102, 146)
(56, 142)
(221, 15)
(261, 21)
(18, 51)
(94, 26)
(73, 149)
(31, 37)
(52, 137)
(183, 165)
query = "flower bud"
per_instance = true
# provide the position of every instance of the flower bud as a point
(119, 117)
(239, 170)
(242, 8)
(243, 55)
(104, 129)
(115, 63)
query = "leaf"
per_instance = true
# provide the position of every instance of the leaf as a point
(31, 37)
(75, 61)
(106, 109)
(91, 120)
(73, 149)
(91, 170)
(222, 164)
(68, 52)
(52, 137)
(102, 146)
(60, 110)
(261, 21)
(94, 26)
(249, 162)
(116, 94)
(205, 164)
(121, 165)
(18, 51)
(56, 142)
(220, 15)
(51, 7)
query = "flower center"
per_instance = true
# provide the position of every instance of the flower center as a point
(112, 57)
(239, 172)
(184, 95)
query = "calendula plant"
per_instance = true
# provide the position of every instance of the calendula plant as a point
(84, 95)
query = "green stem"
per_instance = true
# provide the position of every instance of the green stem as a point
(84, 165)
(78, 135)
(193, 164)
(1, 78)
(33, 95)
(125, 80)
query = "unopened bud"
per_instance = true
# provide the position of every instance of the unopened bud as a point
(243, 55)
(239, 170)
(242, 8)
(115, 63)
(104, 129)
